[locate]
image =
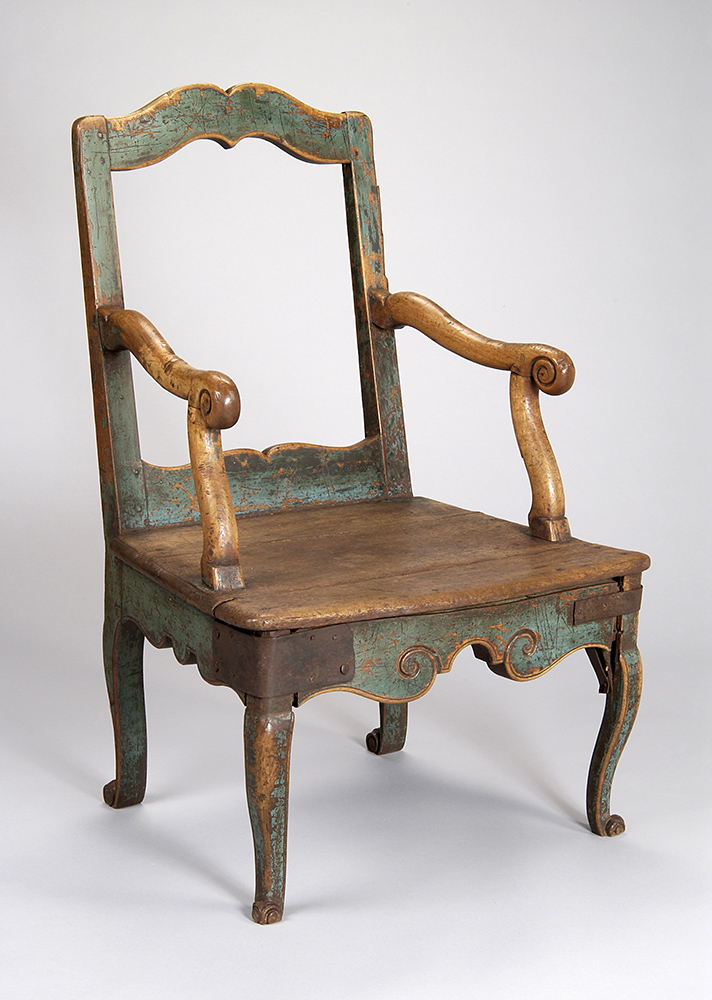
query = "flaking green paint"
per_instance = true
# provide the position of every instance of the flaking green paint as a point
(506, 632)
(203, 111)
(284, 476)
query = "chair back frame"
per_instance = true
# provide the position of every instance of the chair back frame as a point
(136, 494)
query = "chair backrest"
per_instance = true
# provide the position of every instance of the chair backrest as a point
(135, 494)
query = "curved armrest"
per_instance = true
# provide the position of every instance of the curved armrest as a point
(532, 367)
(213, 403)
(551, 370)
(211, 392)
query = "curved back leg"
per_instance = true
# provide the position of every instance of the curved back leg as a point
(390, 735)
(123, 664)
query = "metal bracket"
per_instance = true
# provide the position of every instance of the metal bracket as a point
(600, 660)
(602, 606)
(268, 666)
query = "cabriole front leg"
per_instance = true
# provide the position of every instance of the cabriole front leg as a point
(622, 699)
(123, 664)
(268, 739)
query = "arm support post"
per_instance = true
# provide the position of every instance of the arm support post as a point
(213, 404)
(532, 366)
(547, 515)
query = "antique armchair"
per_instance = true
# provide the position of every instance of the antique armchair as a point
(342, 579)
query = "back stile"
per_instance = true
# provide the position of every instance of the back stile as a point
(120, 469)
(380, 381)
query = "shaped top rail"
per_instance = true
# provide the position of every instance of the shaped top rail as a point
(203, 111)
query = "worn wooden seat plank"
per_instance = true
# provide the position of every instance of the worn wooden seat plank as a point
(307, 568)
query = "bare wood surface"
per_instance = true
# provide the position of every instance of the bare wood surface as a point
(353, 562)
(219, 561)
(547, 515)
(533, 367)
(551, 369)
(213, 403)
(211, 392)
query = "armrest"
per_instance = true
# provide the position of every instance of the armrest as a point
(532, 366)
(213, 403)
(211, 392)
(551, 370)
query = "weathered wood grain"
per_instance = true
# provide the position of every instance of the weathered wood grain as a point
(213, 404)
(547, 517)
(318, 566)
(551, 369)
(268, 740)
(533, 367)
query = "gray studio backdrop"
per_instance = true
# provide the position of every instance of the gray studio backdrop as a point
(544, 169)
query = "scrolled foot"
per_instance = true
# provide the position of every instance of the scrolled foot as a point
(373, 741)
(117, 797)
(615, 825)
(266, 912)
(268, 737)
(123, 661)
(389, 737)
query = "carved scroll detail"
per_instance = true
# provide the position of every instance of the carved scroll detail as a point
(414, 658)
(514, 661)
(528, 646)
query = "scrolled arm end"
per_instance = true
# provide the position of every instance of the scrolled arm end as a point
(217, 398)
(551, 370)
(213, 393)
(533, 367)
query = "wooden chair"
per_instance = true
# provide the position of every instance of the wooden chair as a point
(343, 580)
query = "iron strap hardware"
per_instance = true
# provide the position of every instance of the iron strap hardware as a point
(267, 666)
(602, 606)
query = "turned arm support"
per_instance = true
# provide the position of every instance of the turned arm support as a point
(213, 404)
(532, 366)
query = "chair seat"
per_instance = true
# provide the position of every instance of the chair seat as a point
(315, 566)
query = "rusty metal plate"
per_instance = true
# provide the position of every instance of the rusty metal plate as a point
(601, 606)
(267, 666)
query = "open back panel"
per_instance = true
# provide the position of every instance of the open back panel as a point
(136, 494)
